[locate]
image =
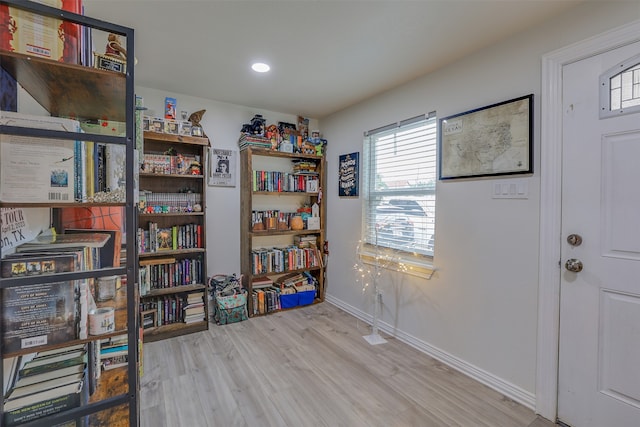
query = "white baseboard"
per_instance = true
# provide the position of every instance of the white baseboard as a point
(509, 390)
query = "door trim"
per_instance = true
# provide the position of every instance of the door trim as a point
(550, 205)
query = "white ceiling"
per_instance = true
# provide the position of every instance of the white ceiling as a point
(324, 55)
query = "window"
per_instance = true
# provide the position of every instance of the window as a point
(620, 89)
(399, 179)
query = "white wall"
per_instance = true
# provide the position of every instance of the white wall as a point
(222, 123)
(480, 307)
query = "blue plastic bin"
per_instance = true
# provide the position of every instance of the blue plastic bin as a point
(288, 301)
(306, 297)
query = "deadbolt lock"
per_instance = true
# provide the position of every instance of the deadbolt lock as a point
(574, 239)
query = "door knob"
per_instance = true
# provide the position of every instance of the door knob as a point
(574, 265)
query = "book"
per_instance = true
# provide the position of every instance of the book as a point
(36, 169)
(164, 239)
(49, 375)
(261, 282)
(114, 361)
(10, 367)
(60, 241)
(40, 314)
(110, 252)
(115, 163)
(52, 363)
(194, 309)
(47, 402)
(56, 351)
(45, 385)
(27, 264)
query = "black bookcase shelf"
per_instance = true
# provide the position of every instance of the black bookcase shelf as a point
(83, 93)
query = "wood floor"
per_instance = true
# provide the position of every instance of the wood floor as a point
(310, 367)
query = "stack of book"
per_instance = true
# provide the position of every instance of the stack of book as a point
(32, 313)
(306, 241)
(253, 141)
(114, 352)
(194, 310)
(45, 383)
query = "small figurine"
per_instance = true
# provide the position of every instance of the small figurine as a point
(195, 168)
(196, 127)
(114, 48)
(257, 125)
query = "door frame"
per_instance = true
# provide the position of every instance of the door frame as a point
(549, 270)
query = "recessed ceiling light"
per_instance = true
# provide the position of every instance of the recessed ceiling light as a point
(260, 67)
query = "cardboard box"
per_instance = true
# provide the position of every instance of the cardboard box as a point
(32, 34)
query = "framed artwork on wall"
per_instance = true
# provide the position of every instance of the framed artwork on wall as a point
(489, 141)
(349, 176)
(222, 168)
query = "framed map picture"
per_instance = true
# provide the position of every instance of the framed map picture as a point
(348, 175)
(492, 140)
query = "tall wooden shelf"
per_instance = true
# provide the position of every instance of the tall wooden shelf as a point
(173, 182)
(85, 94)
(251, 199)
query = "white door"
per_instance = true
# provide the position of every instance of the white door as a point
(599, 360)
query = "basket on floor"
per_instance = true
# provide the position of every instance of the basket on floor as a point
(229, 299)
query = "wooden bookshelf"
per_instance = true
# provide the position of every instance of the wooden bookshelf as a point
(252, 198)
(152, 182)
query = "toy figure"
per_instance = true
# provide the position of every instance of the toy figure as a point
(195, 118)
(257, 125)
(114, 48)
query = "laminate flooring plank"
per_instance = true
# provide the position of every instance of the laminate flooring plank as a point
(152, 417)
(249, 388)
(311, 367)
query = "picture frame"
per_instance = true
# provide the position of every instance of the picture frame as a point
(222, 168)
(109, 63)
(349, 174)
(494, 140)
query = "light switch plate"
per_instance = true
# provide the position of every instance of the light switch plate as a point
(510, 189)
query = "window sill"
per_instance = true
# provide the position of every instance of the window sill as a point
(402, 262)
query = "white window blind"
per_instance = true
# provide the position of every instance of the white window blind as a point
(399, 174)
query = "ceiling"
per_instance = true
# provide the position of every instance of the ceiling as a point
(324, 55)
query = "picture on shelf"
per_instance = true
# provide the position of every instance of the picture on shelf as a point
(222, 168)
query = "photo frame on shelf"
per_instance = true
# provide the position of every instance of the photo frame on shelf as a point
(222, 168)
(349, 174)
(489, 141)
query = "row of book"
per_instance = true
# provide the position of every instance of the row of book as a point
(170, 165)
(43, 170)
(161, 273)
(280, 260)
(155, 238)
(274, 181)
(98, 167)
(151, 202)
(45, 383)
(170, 309)
(265, 300)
